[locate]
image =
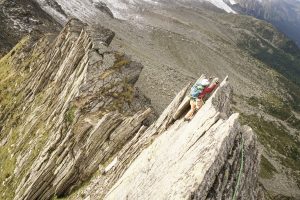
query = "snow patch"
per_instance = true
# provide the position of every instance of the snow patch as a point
(232, 2)
(222, 5)
(121, 9)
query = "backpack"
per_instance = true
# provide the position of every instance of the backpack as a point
(196, 89)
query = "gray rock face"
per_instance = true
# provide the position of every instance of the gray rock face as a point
(20, 17)
(80, 114)
(211, 157)
(90, 109)
(207, 158)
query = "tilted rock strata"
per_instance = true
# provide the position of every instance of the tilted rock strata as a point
(79, 93)
(185, 161)
(79, 97)
(211, 157)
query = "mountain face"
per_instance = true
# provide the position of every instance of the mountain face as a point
(74, 118)
(128, 8)
(64, 100)
(283, 14)
(61, 82)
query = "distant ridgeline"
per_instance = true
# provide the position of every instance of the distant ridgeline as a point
(285, 15)
(276, 51)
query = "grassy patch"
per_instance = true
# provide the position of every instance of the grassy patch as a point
(275, 137)
(71, 114)
(294, 91)
(122, 92)
(271, 48)
(13, 72)
(7, 167)
(10, 78)
(277, 141)
(277, 107)
(121, 61)
(10, 81)
(272, 105)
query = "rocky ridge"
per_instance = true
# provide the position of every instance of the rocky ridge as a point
(66, 87)
(74, 111)
(211, 157)
(190, 39)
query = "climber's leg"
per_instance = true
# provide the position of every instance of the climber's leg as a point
(199, 103)
(190, 114)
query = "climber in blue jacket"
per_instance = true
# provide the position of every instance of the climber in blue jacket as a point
(198, 92)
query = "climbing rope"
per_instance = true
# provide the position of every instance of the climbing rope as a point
(240, 172)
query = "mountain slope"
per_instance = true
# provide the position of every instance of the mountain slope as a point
(74, 114)
(284, 14)
(18, 18)
(178, 42)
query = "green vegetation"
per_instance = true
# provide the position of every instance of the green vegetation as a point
(284, 147)
(5, 154)
(126, 92)
(120, 62)
(10, 78)
(275, 137)
(277, 107)
(58, 198)
(13, 71)
(268, 195)
(272, 105)
(294, 91)
(70, 114)
(270, 47)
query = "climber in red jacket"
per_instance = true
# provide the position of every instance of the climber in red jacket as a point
(199, 101)
(208, 90)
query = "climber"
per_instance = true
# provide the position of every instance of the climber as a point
(198, 92)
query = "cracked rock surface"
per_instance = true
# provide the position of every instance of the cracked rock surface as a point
(211, 157)
(196, 160)
(76, 105)
(80, 129)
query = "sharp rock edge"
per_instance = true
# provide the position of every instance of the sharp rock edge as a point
(88, 106)
(211, 157)
(92, 124)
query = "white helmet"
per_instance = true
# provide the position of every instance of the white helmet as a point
(205, 82)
